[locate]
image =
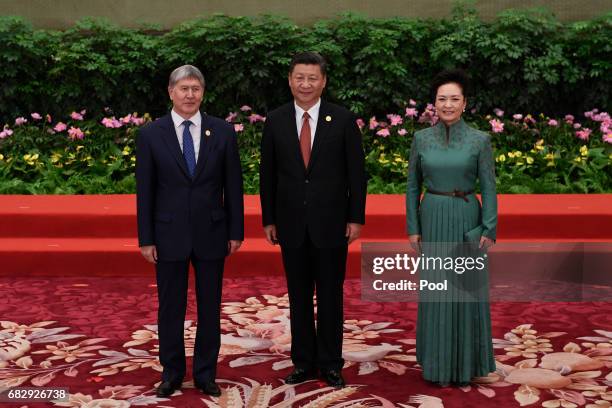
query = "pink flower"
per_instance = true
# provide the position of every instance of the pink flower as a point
(383, 132)
(126, 119)
(76, 116)
(412, 102)
(600, 117)
(402, 132)
(517, 116)
(238, 127)
(75, 133)
(497, 125)
(605, 126)
(429, 115)
(584, 134)
(373, 123)
(6, 132)
(395, 119)
(607, 138)
(48, 117)
(20, 121)
(60, 127)
(360, 123)
(36, 116)
(230, 118)
(498, 112)
(552, 122)
(111, 123)
(411, 113)
(137, 121)
(245, 108)
(577, 125)
(254, 118)
(569, 119)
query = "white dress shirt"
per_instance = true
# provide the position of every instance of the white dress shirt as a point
(314, 117)
(195, 129)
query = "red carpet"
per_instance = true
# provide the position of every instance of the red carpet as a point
(97, 234)
(97, 336)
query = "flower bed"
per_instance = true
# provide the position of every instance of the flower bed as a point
(80, 154)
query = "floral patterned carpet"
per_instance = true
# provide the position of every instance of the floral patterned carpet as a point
(97, 336)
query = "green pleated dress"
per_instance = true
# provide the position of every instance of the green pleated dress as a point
(454, 341)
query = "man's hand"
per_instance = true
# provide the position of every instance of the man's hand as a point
(149, 252)
(415, 242)
(233, 246)
(485, 242)
(352, 231)
(270, 231)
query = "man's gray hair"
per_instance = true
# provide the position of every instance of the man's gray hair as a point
(185, 71)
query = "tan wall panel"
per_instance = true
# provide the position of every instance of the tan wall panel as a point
(132, 13)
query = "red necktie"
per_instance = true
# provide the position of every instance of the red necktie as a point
(305, 139)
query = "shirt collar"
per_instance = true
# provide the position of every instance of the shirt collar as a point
(178, 119)
(313, 111)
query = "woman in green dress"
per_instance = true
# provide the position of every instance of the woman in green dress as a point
(454, 341)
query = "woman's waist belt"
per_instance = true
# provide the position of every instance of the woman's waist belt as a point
(454, 193)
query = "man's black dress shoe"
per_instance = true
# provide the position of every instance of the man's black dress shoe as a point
(209, 387)
(299, 375)
(333, 378)
(166, 389)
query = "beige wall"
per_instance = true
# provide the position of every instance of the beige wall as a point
(63, 13)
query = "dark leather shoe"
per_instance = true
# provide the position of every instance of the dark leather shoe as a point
(299, 375)
(209, 388)
(333, 378)
(166, 389)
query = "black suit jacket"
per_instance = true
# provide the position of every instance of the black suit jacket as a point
(322, 198)
(179, 214)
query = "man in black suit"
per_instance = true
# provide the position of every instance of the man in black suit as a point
(190, 210)
(313, 191)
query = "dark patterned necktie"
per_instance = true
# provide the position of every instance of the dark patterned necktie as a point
(188, 150)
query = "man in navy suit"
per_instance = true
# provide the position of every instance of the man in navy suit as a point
(313, 193)
(190, 210)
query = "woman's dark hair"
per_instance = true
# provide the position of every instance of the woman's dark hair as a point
(456, 76)
(309, 58)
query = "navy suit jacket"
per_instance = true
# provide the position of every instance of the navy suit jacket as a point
(181, 215)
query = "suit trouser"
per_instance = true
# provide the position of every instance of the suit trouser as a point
(308, 268)
(172, 282)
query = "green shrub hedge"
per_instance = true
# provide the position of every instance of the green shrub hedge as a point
(522, 61)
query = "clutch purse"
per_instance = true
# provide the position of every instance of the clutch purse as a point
(474, 234)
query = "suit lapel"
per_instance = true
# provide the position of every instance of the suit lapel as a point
(169, 137)
(207, 139)
(291, 130)
(323, 125)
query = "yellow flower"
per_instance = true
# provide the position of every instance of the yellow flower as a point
(1, 156)
(55, 157)
(529, 160)
(502, 157)
(78, 148)
(550, 164)
(126, 151)
(584, 151)
(519, 163)
(30, 159)
(549, 156)
(518, 153)
(540, 142)
(578, 160)
(511, 155)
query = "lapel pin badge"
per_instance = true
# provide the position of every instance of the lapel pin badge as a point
(207, 133)
(328, 118)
